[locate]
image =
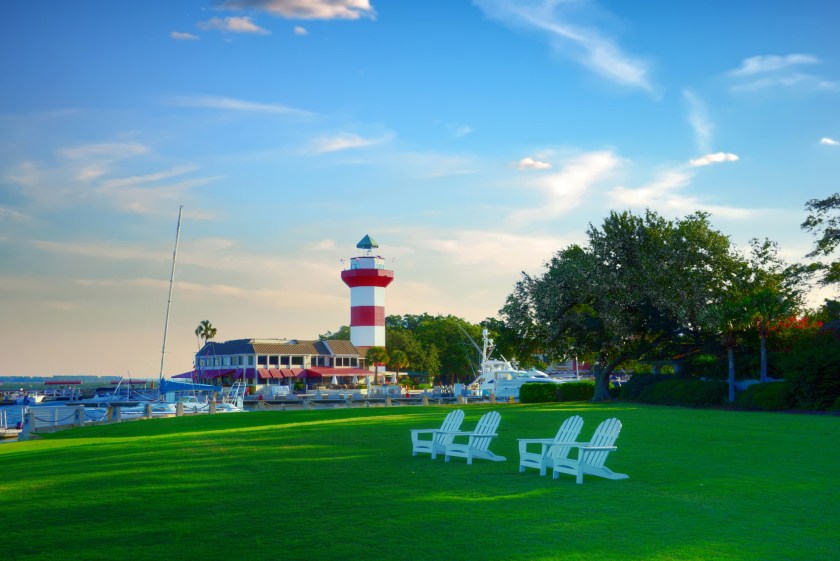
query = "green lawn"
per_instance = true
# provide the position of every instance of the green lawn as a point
(342, 484)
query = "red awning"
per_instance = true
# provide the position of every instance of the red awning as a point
(191, 374)
(62, 382)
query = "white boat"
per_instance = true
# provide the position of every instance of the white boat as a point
(500, 377)
(29, 398)
(5, 430)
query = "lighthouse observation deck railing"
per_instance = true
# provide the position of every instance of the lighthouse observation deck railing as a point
(367, 263)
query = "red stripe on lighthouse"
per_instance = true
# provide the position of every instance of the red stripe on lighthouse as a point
(367, 315)
(367, 277)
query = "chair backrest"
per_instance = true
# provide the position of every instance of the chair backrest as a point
(605, 435)
(569, 431)
(487, 425)
(452, 422)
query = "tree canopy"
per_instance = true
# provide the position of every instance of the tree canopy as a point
(637, 290)
(824, 222)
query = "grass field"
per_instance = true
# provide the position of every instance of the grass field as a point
(342, 484)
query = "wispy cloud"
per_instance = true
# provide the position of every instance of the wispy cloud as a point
(233, 25)
(232, 104)
(148, 178)
(300, 30)
(84, 175)
(716, 158)
(179, 36)
(586, 44)
(698, 118)
(11, 215)
(829, 141)
(91, 161)
(770, 63)
(346, 141)
(564, 190)
(461, 130)
(774, 71)
(663, 194)
(530, 163)
(307, 9)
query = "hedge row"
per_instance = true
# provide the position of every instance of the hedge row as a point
(567, 391)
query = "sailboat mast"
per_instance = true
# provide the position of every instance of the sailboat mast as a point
(169, 300)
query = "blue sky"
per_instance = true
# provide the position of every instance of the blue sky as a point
(471, 139)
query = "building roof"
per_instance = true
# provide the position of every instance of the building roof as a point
(367, 243)
(342, 347)
(278, 347)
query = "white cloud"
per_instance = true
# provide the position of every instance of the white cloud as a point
(300, 30)
(565, 190)
(148, 178)
(345, 141)
(829, 141)
(530, 163)
(326, 244)
(229, 103)
(109, 151)
(12, 215)
(307, 9)
(178, 36)
(770, 63)
(698, 118)
(662, 195)
(462, 130)
(715, 158)
(584, 43)
(234, 25)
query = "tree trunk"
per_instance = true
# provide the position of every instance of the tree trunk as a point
(730, 354)
(763, 377)
(602, 382)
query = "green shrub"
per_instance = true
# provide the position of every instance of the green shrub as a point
(575, 391)
(631, 389)
(773, 396)
(812, 367)
(685, 392)
(537, 393)
(836, 407)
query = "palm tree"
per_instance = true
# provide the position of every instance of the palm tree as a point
(726, 319)
(398, 361)
(376, 355)
(206, 331)
(766, 307)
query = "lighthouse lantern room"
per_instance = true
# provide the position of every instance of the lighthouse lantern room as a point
(367, 278)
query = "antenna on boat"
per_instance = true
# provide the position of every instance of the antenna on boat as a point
(169, 300)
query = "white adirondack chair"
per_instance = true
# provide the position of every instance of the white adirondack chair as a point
(478, 441)
(592, 454)
(439, 437)
(551, 449)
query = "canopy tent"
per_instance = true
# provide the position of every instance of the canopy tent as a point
(167, 386)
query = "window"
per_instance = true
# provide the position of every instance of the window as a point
(216, 361)
(354, 362)
(297, 361)
(273, 360)
(284, 360)
(226, 361)
(251, 360)
(262, 360)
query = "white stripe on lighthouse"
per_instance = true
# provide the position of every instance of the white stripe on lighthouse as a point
(368, 336)
(367, 296)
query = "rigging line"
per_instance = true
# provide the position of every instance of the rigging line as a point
(169, 300)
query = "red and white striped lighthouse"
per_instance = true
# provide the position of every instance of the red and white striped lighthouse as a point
(367, 279)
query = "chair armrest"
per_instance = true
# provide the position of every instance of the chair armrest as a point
(587, 447)
(536, 440)
(423, 431)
